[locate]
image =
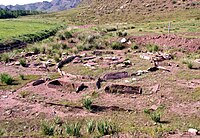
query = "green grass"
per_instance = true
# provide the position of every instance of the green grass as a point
(13, 28)
(18, 82)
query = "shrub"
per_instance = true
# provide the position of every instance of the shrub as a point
(7, 79)
(91, 125)
(152, 48)
(43, 50)
(58, 120)
(47, 128)
(67, 34)
(73, 130)
(61, 37)
(23, 94)
(56, 59)
(134, 46)
(155, 116)
(104, 128)
(5, 58)
(117, 46)
(87, 103)
(1, 132)
(21, 76)
(22, 62)
(190, 65)
(64, 46)
(36, 50)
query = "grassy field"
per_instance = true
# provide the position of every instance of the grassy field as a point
(13, 28)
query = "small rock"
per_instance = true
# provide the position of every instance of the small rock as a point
(134, 79)
(192, 131)
(154, 107)
(4, 96)
(123, 40)
(38, 82)
(17, 63)
(127, 81)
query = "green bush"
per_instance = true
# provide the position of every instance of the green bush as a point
(91, 125)
(117, 46)
(23, 94)
(5, 58)
(152, 48)
(67, 34)
(189, 65)
(56, 59)
(73, 130)
(155, 116)
(47, 128)
(106, 128)
(87, 103)
(61, 37)
(134, 46)
(36, 50)
(7, 79)
(1, 132)
(21, 76)
(22, 62)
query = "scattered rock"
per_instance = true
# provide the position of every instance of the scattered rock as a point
(123, 40)
(98, 83)
(193, 131)
(115, 88)
(54, 84)
(38, 82)
(117, 75)
(152, 69)
(17, 63)
(154, 107)
(4, 96)
(81, 88)
(65, 61)
(29, 54)
(100, 53)
(89, 58)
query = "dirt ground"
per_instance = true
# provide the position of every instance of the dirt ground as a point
(177, 90)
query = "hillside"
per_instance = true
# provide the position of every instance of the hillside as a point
(54, 5)
(107, 11)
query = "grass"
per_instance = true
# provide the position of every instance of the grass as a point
(82, 70)
(91, 126)
(47, 128)
(24, 94)
(18, 82)
(13, 28)
(6, 79)
(73, 129)
(106, 128)
(87, 103)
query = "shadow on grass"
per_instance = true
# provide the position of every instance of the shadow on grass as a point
(97, 108)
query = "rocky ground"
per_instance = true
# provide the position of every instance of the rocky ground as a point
(122, 84)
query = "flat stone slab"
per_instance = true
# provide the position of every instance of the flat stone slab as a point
(123, 89)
